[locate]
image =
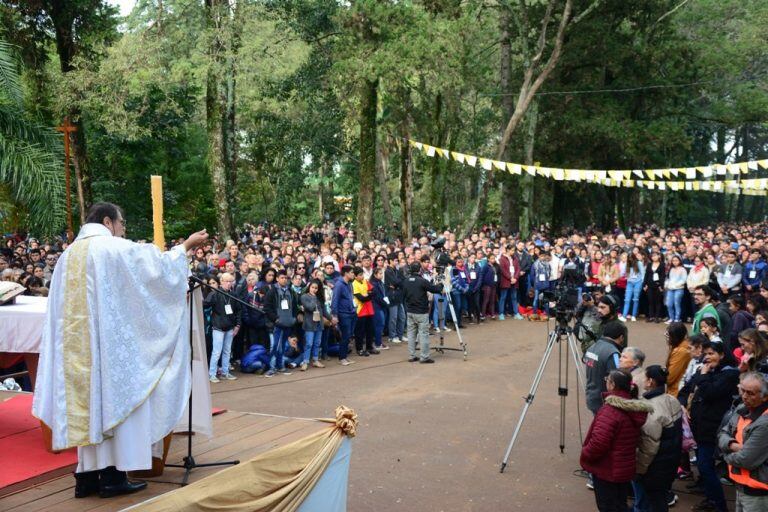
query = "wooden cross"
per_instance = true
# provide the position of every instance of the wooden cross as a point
(66, 128)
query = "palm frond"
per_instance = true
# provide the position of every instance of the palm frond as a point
(10, 83)
(35, 176)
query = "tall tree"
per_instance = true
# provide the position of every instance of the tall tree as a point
(217, 21)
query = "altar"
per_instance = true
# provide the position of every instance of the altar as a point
(21, 330)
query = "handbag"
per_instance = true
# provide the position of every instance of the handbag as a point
(689, 443)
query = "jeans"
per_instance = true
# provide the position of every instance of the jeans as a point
(674, 304)
(511, 306)
(279, 339)
(418, 324)
(610, 496)
(396, 322)
(502, 305)
(459, 305)
(438, 302)
(536, 300)
(347, 328)
(222, 347)
(632, 297)
(379, 319)
(705, 456)
(312, 341)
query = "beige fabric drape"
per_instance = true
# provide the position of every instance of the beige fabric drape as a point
(278, 480)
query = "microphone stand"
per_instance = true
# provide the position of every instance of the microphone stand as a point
(189, 461)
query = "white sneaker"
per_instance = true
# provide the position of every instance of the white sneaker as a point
(633, 319)
(395, 340)
(622, 318)
(446, 329)
(229, 376)
(214, 380)
(346, 362)
(668, 322)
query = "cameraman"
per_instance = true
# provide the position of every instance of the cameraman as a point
(415, 289)
(607, 311)
(587, 319)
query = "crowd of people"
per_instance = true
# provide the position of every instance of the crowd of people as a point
(295, 298)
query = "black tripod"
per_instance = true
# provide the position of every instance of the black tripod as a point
(189, 461)
(440, 348)
(562, 333)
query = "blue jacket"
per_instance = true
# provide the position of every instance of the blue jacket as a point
(759, 270)
(474, 284)
(257, 358)
(459, 283)
(378, 293)
(342, 302)
(487, 275)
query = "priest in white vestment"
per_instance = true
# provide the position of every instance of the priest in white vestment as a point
(114, 375)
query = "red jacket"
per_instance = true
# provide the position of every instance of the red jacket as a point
(505, 279)
(610, 445)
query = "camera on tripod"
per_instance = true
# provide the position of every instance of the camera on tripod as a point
(564, 298)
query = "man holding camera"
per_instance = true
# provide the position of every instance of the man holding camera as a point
(415, 289)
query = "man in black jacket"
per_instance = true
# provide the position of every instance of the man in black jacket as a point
(281, 306)
(393, 278)
(525, 262)
(415, 289)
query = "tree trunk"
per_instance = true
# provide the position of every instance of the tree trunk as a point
(745, 155)
(382, 173)
(216, 108)
(718, 200)
(63, 20)
(526, 180)
(406, 188)
(435, 164)
(321, 191)
(532, 82)
(367, 159)
(507, 108)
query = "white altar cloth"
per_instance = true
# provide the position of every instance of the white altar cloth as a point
(21, 324)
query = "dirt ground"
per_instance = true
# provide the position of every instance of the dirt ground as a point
(432, 437)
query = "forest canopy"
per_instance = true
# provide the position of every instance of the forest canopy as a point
(299, 111)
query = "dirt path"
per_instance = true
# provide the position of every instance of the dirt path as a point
(432, 437)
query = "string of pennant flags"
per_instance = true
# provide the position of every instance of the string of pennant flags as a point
(652, 179)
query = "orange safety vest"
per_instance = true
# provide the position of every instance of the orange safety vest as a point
(739, 475)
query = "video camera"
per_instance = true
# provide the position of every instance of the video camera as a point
(565, 296)
(442, 258)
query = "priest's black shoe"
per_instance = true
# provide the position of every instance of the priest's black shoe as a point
(127, 487)
(115, 483)
(86, 484)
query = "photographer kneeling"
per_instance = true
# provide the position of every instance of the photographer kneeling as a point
(415, 289)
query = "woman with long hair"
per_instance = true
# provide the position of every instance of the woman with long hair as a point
(654, 286)
(678, 355)
(635, 278)
(754, 351)
(675, 286)
(314, 312)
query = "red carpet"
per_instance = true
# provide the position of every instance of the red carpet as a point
(21, 443)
